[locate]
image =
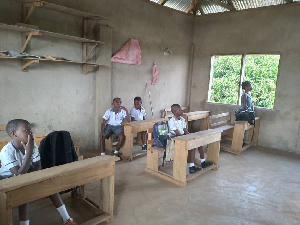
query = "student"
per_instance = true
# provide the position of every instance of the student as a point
(177, 127)
(111, 124)
(21, 156)
(246, 101)
(138, 113)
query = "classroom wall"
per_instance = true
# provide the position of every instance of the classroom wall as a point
(57, 96)
(265, 30)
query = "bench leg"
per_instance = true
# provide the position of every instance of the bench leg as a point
(180, 163)
(213, 151)
(107, 195)
(127, 149)
(5, 214)
(256, 130)
(152, 159)
(238, 137)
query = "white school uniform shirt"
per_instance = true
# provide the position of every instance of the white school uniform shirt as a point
(11, 157)
(137, 114)
(177, 124)
(114, 119)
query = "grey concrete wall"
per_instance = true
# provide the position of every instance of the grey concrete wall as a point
(57, 96)
(266, 30)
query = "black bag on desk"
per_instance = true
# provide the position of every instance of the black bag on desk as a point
(247, 115)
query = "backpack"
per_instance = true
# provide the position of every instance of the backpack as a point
(247, 115)
(159, 128)
(57, 149)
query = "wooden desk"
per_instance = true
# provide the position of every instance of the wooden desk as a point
(135, 127)
(25, 188)
(182, 145)
(198, 115)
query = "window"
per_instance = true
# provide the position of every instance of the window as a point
(229, 71)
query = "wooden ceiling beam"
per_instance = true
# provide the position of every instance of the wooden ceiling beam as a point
(289, 1)
(231, 4)
(198, 7)
(162, 2)
(191, 6)
(217, 2)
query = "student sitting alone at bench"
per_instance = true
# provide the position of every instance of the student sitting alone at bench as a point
(112, 124)
(21, 156)
(138, 113)
(177, 127)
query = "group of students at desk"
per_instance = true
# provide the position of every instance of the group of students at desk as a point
(21, 155)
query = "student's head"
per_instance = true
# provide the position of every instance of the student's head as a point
(19, 129)
(117, 102)
(176, 110)
(246, 85)
(137, 102)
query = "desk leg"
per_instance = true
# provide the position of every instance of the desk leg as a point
(127, 149)
(107, 195)
(180, 162)
(204, 124)
(213, 151)
(5, 214)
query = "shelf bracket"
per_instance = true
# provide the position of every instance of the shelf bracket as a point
(26, 64)
(91, 27)
(29, 34)
(31, 6)
(87, 69)
(89, 54)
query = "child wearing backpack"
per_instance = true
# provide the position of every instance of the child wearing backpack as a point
(111, 124)
(177, 127)
(138, 113)
(21, 156)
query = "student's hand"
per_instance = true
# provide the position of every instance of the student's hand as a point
(29, 145)
(122, 107)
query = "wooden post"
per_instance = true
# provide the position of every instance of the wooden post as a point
(213, 151)
(127, 149)
(180, 163)
(204, 124)
(238, 137)
(107, 195)
(5, 214)
(256, 131)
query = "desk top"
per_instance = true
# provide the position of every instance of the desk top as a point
(54, 172)
(142, 122)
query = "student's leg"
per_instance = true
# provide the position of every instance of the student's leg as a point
(202, 158)
(201, 151)
(24, 214)
(107, 133)
(121, 138)
(192, 167)
(118, 131)
(61, 208)
(143, 133)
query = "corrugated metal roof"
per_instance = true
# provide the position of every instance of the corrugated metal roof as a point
(209, 7)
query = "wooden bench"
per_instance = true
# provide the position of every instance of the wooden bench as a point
(168, 113)
(136, 127)
(182, 145)
(234, 133)
(197, 115)
(25, 188)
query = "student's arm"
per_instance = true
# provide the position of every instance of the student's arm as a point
(103, 124)
(127, 117)
(185, 131)
(177, 132)
(244, 102)
(26, 163)
(132, 119)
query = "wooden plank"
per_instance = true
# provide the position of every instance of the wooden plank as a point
(165, 176)
(162, 2)
(48, 174)
(143, 125)
(191, 6)
(238, 136)
(180, 162)
(3, 127)
(197, 115)
(223, 128)
(5, 214)
(220, 115)
(127, 149)
(97, 220)
(213, 151)
(199, 173)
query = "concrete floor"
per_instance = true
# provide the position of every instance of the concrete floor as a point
(261, 186)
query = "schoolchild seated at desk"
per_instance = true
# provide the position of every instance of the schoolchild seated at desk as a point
(111, 124)
(177, 127)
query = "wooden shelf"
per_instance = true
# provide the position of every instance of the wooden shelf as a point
(29, 61)
(63, 9)
(27, 30)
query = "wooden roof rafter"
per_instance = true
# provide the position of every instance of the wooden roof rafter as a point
(231, 4)
(218, 2)
(191, 6)
(162, 2)
(198, 7)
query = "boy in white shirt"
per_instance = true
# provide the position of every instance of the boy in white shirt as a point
(138, 113)
(177, 127)
(112, 124)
